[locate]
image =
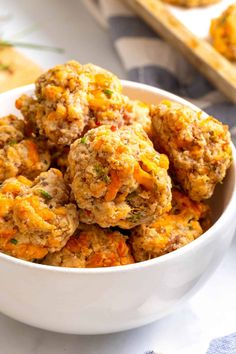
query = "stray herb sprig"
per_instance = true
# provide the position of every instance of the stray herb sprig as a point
(4, 66)
(108, 92)
(45, 194)
(5, 43)
(13, 241)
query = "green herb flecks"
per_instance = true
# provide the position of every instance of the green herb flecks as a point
(13, 241)
(106, 179)
(223, 19)
(130, 197)
(45, 194)
(12, 142)
(135, 216)
(83, 140)
(102, 173)
(108, 92)
(4, 67)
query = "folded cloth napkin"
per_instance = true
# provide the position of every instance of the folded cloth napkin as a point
(150, 60)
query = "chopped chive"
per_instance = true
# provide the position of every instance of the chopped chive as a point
(131, 196)
(83, 140)
(4, 66)
(135, 217)
(12, 142)
(102, 173)
(45, 194)
(108, 93)
(4, 43)
(106, 179)
(13, 241)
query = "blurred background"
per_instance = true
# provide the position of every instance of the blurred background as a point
(109, 34)
(61, 24)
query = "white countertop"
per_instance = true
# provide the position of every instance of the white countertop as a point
(208, 314)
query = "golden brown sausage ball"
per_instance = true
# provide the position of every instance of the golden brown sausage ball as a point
(11, 241)
(118, 179)
(92, 247)
(35, 218)
(191, 3)
(11, 130)
(68, 96)
(171, 231)
(28, 158)
(73, 98)
(223, 32)
(17, 154)
(198, 147)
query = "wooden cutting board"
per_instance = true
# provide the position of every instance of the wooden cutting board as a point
(217, 69)
(16, 69)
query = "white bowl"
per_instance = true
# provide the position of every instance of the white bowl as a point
(105, 300)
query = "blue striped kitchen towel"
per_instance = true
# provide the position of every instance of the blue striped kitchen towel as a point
(150, 60)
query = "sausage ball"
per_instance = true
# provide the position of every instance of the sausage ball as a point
(73, 98)
(92, 247)
(27, 157)
(223, 32)
(36, 218)
(191, 3)
(11, 130)
(171, 231)
(198, 147)
(70, 95)
(10, 238)
(117, 177)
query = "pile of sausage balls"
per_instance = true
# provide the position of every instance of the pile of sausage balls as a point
(90, 178)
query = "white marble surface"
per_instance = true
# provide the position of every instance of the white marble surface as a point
(212, 312)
